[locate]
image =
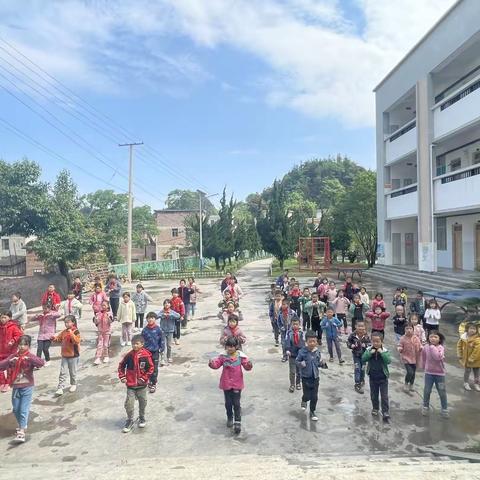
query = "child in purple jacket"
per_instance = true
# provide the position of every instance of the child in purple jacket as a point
(47, 328)
(231, 381)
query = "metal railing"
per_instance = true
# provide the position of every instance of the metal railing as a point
(403, 131)
(461, 175)
(404, 191)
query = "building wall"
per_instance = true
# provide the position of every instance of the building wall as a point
(16, 246)
(404, 226)
(34, 266)
(167, 220)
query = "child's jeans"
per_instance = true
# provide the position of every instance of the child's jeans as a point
(168, 347)
(69, 365)
(44, 346)
(139, 320)
(154, 375)
(411, 369)
(21, 401)
(306, 321)
(379, 388)
(343, 318)
(317, 329)
(192, 309)
(127, 332)
(294, 372)
(114, 304)
(283, 335)
(103, 343)
(185, 317)
(330, 343)
(232, 404)
(276, 331)
(439, 382)
(476, 374)
(310, 392)
(133, 394)
(177, 332)
(359, 369)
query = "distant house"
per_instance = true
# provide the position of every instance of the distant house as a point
(172, 241)
(12, 246)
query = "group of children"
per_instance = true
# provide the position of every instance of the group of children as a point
(304, 318)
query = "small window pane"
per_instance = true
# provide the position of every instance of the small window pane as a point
(441, 233)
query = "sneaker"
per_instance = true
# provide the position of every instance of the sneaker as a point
(73, 388)
(330, 359)
(122, 343)
(291, 389)
(375, 413)
(4, 388)
(142, 423)
(476, 387)
(128, 426)
(425, 411)
(237, 428)
(386, 417)
(229, 422)
(152, 388)
(177, 342)
(411, 388)
(406, 388)
(46, 364)
(445, 414)
(277, 344)
(341, 361)
(129, 343)
(106, 359)
(313, 417)
(298, 387)
(303, 406)
(358, 388)
(284, 359)
(97, 361)
(467, 387)
(170, 360)
(162, 362)
(19, 437)
(59, 392)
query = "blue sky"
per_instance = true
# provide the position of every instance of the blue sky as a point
(227, 92)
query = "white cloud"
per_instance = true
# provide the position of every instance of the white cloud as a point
(318, 62)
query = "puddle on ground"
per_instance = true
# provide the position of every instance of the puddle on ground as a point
(183, 417)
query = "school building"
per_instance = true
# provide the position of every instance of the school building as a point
(428, 148)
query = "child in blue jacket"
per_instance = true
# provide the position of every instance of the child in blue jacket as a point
(294, 342)
(168, 319)
(284, 320)
(330, 326)
(155, 344)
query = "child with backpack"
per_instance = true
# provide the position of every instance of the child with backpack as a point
(155, 344)
(294, 342)
(284, 320)
(140, 298)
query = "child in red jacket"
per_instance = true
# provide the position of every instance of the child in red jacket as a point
(135, 370)
(51, 298)
(177, 306)
(10, 334)
(231, 381)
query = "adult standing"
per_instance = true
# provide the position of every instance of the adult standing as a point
(19, 310)
(280, 279)
(113, 288)
(184, 293)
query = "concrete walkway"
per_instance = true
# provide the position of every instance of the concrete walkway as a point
(186, 417)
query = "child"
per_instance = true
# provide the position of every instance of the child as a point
(358, 342)
(169, 319)
(179, 307)
(113, 289)
(126, 316)
(349, 289)
(331, 293)
(399, 322)
(357, 309)
(193, 296)
(284, 320)
(377, 358)
(184, 293)
(340, 307)
(378, 301)
(331, 326)
(70, 340)
(47, 327)
(10, 334)
(77, 288)
(155, 344)
(398, 299)
(135, 370)
(20, 366)
(309, 360)
(231, 381)
(294, 342)
(97, 298)
(232, 330)
(271, 294)
(364, 298)
(409, 347)
(418, 305)
(322, 290)
(227, 298)
(403, 294)
(433, 359)
(51, 298)
(315, 309)
(468, 352)
(140, 298)
(432, 317)
(273, 312)
(19, 310)
(103, 321)
(378, 318)
(234, 290)
(71, 306)
(294, 295)
(418, 330)
(304, 299)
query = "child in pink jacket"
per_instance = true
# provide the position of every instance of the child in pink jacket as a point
(231, 381)
(103, 320)
(232, 330)
(97, 298)
(47, 328)
(409, 347)
(378, 318)
(378, 301)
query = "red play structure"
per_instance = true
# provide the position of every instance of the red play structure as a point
(314, 253)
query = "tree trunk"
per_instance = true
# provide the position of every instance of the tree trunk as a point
(281, 260)
(217, 263)
(63, 268)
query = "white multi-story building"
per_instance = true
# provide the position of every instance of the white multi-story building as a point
(428, 148)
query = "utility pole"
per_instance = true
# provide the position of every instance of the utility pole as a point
(200, 193)
(130, 207)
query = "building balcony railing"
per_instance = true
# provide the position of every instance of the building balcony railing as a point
(402, 142)
(402, 202)
(459, 109)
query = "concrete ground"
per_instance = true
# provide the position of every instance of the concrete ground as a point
(186, 417)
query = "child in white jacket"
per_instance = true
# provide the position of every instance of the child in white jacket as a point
(432, 317)
(126, 315)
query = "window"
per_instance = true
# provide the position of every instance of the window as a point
(441, 168)
(5, 244)
(442, 233)
(174, 232)
(476, 157)
(455, 164)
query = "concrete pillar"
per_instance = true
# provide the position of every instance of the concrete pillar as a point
(426, 246)
(383, 239)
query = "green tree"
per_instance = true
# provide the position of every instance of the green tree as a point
(66, 238)
(188, 200)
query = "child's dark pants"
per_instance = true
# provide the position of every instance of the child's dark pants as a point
(232, 404)
(310, 392)
(44, 346)
(379, 388)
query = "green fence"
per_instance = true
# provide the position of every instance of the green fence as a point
(159, 268)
